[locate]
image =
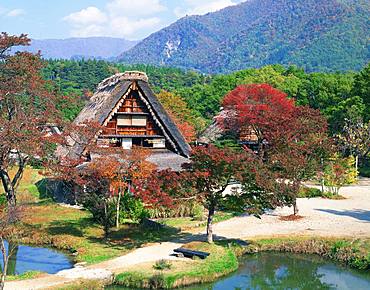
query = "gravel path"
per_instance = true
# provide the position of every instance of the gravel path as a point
(322, 217)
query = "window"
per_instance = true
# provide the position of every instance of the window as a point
(131, 120)
(139, 120)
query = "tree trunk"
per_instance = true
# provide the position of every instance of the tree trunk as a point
(5, 262)
(118, 209)
(106, 221)
(211, 212)
(356, 165)
(295, 207)
(322, 185)
(8, 188)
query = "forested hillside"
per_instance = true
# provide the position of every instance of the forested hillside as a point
(318, 35)
(337, 95)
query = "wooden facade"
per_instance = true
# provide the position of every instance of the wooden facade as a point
(132, 124)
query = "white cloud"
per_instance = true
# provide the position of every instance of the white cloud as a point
(136, 8)
(127, 27)
(90, 15)
(87, 30)
(15, 12)
(120, 18)
(196, 7)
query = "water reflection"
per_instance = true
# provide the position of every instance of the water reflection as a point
(289, 271)
(26, 258)
(280, 271)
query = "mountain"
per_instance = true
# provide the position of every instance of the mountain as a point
(318, 35)
(76, 48)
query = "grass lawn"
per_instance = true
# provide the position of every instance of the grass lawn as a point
(47, 223)
(74, 230)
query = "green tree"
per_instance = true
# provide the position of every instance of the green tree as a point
(361, 88)
(338, 172)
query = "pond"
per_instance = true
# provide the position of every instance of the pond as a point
(272, 270)
(290, 271)
(27, 258)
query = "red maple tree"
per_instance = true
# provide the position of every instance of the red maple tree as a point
(261, 107)
(27, 108)
(292, 139)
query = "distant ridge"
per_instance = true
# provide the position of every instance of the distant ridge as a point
(77, 48)
(318, 35)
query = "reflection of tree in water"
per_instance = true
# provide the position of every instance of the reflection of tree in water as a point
(275, 271)
(12, 264)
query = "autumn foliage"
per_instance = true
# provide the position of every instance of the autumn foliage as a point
(267, 110)
(292, 140)
(211, 170)
(177, 108)
(27, 107)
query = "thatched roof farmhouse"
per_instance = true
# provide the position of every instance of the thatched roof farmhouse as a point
(131, 115)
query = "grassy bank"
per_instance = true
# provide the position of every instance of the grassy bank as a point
(222, 261)
(352, 252)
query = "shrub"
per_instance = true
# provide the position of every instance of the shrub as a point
(309, 192)
(157, 281)
(365, 171)
(197, 212)
(183, 209)
(94, 203)
(339, 172)
(162, 265)
(330, 195)
(2, 200)
(132, 208)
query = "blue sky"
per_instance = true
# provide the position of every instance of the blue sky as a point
(131, 19)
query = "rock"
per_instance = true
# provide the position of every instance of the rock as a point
(80, 265)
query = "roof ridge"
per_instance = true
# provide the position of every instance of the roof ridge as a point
(116, 78)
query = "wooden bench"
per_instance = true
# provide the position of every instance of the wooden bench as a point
(182, 252)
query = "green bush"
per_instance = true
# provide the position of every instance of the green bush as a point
(362, 263)
(94, 203)
(309, 192)
(184, 209)
(364, 171)
(2, 199)
(132, 208)
(197, 212)
(338, 245)
(157, 281)
(162, 265)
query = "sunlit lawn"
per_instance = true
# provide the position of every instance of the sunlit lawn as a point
(45, 222)
(74, 230)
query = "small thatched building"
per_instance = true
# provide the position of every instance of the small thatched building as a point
(131, 115)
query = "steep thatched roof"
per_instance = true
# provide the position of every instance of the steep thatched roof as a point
(110, 92)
